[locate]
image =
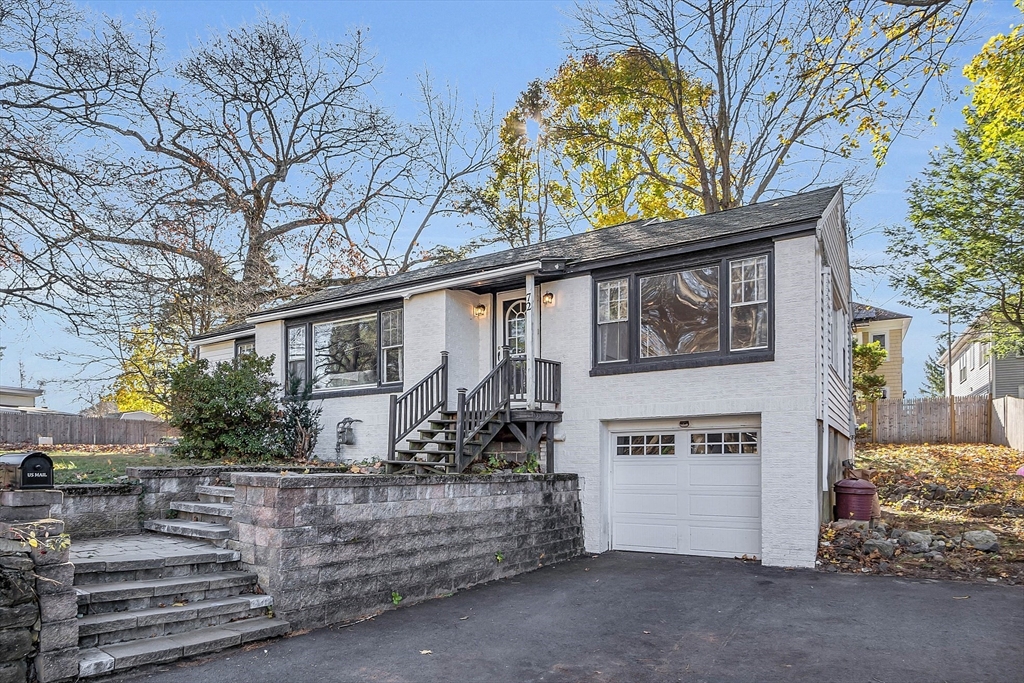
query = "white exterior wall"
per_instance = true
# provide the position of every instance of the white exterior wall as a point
(979, 372)
(218, 353)
(781, 392)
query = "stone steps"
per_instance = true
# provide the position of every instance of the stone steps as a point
(100, 598)
(216, 533)
(211, 513)
(169, 559)
(119, 656)
(96, 630)
(215, 494)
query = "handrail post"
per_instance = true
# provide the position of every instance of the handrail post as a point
(444, 380)
(392, 425)
(460, 427)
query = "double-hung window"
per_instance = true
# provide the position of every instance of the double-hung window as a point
(677, 317)
(748, 303)
(362, 351)
(613, 320)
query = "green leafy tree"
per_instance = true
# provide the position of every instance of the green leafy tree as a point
(867, 385)
(145, 373)
(935, 374)
(556, 165)
(997, 89)
(801, 90)
(229, 411)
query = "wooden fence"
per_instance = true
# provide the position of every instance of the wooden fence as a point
(75, 429)
(926, 420)
(1008, 422)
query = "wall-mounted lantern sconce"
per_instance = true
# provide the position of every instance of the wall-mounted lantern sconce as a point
(547, 299)
(479, 310)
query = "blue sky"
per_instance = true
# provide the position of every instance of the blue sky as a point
(491, 50)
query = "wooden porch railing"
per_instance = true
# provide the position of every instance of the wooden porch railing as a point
(487, 399)
(409, 410)
(548, 381)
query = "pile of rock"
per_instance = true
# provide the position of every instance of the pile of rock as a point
(853, 546)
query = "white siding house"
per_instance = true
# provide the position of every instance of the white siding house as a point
(977, 371)
(694, 373)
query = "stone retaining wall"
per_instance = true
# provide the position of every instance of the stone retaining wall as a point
(163, 485)
(38, 604)
(331, 548)
(91, 510)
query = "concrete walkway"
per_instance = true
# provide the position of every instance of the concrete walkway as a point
(633, 618)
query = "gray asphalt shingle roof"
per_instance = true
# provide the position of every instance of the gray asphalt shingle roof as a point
(865, 313)
(635, 237)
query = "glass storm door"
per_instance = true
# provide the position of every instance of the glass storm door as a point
(515, 339)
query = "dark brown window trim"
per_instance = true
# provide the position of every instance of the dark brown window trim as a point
(723, 356)
(245, 340)
(338, 315)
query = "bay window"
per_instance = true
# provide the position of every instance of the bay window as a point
(358, 352)
(676, 317)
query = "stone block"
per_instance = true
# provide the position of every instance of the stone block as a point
(94, 663)
(13, 672)
(55, 578)
(31, 498)
(42, 556)
(19, 616)
(15, 643)
(24, 514)
(57, 666)
(58, 635)
(18, 562)
(17, 589)
(58, 606)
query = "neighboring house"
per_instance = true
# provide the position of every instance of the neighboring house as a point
(694, 373)
(889, 329)
(19, 397)
(979, 372)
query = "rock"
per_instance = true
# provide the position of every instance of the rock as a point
(935, 557)
(478, 468)
(915, 538)
(917, 548)
(897, 532)
(987, 510)
(982, 540)
(883, 566)
(884, 548)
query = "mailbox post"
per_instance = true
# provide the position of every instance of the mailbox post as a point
(32, 470)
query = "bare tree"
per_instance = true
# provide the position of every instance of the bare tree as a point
(794, 87)
(186, 194)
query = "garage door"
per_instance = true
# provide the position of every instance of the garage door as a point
(689, 492)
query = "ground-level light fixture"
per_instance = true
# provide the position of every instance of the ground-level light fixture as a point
(479, 310)
(548, 298)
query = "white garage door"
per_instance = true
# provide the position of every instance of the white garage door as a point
(688, 492)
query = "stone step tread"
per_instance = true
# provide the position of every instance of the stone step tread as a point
(92, 624)
(127, 590)
(218, 509)
(222, 491)
(162, 649)
(136, 561)
(207, 530)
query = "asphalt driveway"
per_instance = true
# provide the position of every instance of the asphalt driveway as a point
(632, 617)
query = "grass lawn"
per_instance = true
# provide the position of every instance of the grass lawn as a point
(943, 490)
(102, 464)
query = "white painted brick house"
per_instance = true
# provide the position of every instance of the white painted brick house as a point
(695, 373)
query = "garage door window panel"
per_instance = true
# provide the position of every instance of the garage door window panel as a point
(723, 443)
(645, 444)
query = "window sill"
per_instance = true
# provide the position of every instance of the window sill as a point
(360, 391)
(762, 356)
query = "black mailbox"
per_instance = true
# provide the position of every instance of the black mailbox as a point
(26, 471)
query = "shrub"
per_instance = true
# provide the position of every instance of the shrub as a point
(300, 426)
(229, 412)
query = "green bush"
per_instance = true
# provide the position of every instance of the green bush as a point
(231, 412)
(300, 425)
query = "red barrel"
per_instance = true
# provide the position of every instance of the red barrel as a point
(854, 498)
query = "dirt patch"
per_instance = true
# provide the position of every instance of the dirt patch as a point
(947, 495)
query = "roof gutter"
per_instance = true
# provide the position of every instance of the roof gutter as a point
(403, 292)
(227, 336)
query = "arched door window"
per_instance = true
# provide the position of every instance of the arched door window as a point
(515, 327)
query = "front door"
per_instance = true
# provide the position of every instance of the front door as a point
(514, 337)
